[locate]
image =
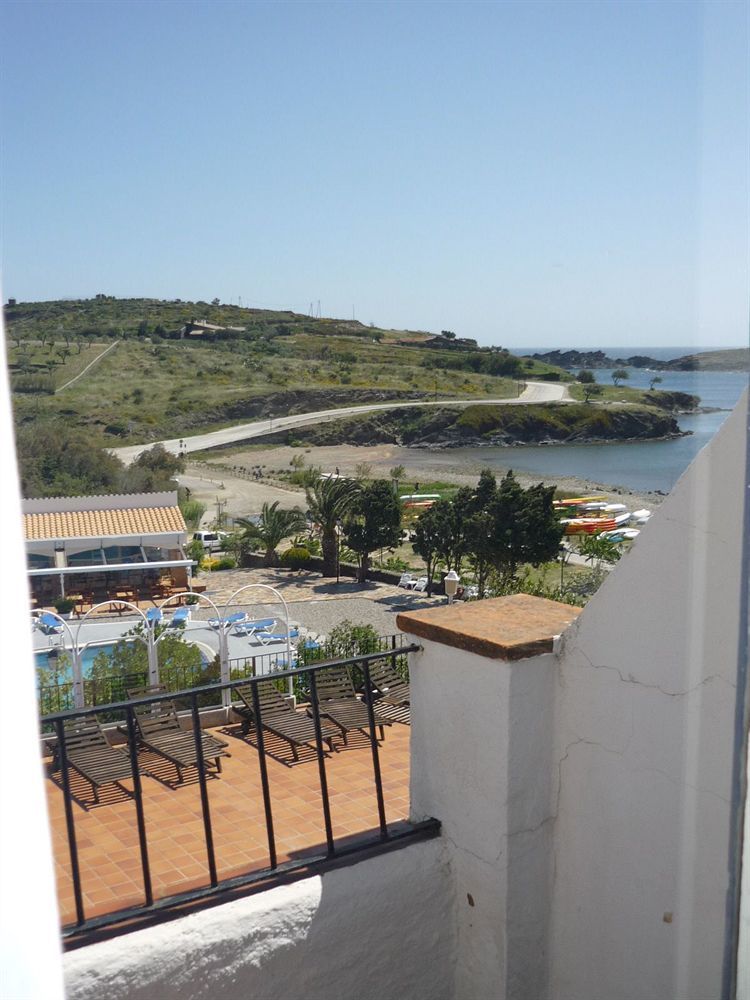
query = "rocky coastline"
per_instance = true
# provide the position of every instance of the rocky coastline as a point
(484, 425)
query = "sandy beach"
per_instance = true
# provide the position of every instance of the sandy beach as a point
(214, 479)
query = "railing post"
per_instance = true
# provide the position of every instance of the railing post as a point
(315, 705)
(375, 754)
(153, 658)
(224, 669)
(205, 808)
(79, 698)
(75, 871)
(138, 796)
(264, 775)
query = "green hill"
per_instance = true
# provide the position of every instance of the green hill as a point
(155, 382)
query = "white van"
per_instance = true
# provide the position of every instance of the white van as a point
(211, 539)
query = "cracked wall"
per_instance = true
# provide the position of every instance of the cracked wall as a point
(644, 716)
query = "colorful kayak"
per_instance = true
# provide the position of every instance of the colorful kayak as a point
(588, 525)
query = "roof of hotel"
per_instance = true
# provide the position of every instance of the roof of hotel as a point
(103, 523)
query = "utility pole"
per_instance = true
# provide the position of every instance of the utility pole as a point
(220, 505)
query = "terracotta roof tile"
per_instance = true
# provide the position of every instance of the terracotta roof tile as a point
(103, 523)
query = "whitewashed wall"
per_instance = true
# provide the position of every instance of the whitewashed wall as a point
(482, 739)
(381, 929)
(644, 736)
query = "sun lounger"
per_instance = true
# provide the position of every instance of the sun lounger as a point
(251, 627)
(420, 584)
(278, 717)
(180, 618)
(235, 619)
(89, 753)
(338, 702)
(267, 637)
(159, 730)
(406, 580)
(391, 692)
(154, 615)
(49, 624)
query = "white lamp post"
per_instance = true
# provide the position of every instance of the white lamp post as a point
(451, 582)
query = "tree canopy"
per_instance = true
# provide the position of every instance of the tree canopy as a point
(373, 523)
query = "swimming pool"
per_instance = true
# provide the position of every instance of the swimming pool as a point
(44, 661)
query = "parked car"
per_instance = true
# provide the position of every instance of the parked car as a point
(211, 539)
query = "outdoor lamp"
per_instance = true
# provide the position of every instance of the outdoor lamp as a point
(451, 581)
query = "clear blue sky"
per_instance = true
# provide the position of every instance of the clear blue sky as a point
(528, 174)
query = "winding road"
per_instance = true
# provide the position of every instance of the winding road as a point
(535, 392)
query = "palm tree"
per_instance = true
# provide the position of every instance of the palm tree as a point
(329, 501)
(273, 526)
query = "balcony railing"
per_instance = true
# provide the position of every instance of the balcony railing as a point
(322, 849)
(105, 689)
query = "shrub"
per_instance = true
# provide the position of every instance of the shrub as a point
(64, 605)
(34, 384)
(296, 558)
(349, 639)
(194, 550)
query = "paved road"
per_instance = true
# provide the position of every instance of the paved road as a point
(535, 392)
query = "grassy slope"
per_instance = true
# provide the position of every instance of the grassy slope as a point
(620, 394)
(143, 390)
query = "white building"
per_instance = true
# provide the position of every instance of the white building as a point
(96, 546)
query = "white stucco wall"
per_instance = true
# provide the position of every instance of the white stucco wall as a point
(381, 929)
(644, 722)
(481, 745)
(30, 953)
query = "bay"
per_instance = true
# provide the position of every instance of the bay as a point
(644, 466)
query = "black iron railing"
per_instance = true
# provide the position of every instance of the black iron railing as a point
(86, 928)
(102, 690)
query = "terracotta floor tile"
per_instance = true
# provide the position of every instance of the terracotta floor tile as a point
(107, 834)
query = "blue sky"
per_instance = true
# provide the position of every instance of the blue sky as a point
(527, 174)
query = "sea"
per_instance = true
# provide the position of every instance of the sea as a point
(644, 466)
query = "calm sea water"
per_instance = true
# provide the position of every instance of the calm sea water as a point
(641, 466)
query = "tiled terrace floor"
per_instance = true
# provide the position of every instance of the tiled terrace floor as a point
(107, 834)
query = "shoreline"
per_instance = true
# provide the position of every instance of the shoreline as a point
(422, 465)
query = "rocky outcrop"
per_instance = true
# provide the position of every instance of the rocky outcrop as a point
(479, 425)
(674, 402)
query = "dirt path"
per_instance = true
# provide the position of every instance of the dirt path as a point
(89, 365)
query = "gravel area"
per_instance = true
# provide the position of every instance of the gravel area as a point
(315, 603)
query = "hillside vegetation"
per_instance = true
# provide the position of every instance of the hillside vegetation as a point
(484, 424)
(153, 384)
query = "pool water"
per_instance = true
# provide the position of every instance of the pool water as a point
(43, 661)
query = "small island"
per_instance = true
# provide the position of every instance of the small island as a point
(730, 360)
